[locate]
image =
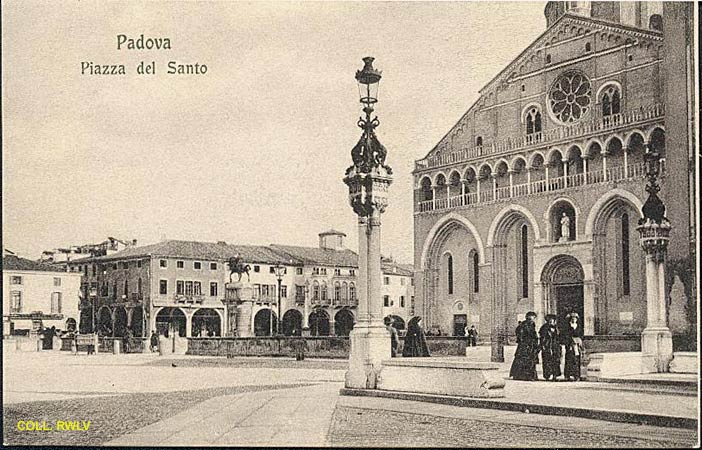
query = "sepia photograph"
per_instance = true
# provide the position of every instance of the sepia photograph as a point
(350, 224)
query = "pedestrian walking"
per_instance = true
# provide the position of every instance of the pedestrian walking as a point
(394, 337)
(550, 343)
(154, 341)
(573, 340)
(472, 336)
(527, 355)
(415, 340)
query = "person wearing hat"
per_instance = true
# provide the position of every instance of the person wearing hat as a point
(550, 343)
(527, 355)
(573, 340)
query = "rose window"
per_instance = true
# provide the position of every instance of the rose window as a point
(569, 99)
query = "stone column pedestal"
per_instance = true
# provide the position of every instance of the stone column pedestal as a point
(238, 300)
(656, 349)
(369, 347)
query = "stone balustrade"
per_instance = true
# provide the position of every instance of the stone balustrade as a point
(489, 195)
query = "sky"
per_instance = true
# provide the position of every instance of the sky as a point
(253, 151)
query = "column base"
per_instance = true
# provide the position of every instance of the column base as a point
(656, 349)
(369, 347)
(497, 350)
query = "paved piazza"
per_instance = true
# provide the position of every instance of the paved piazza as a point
(189, 401)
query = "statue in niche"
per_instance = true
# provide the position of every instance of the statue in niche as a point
(565, 228)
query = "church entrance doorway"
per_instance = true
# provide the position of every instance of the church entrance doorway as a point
(569, 298)
(459, 324)
(562, 279)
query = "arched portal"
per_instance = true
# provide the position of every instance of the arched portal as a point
(562, 278)
(617, 265)
(120, 321)
(319, 323)
(512, 235)
(86, 319)
(265, 322)
(170, 320)
(343, 322)
(206, 323)
(456, 237)
(104, 321)
(137, 323)
(292, 323)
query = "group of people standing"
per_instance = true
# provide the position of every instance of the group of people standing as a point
(550, 342)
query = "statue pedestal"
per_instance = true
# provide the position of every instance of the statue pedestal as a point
(238, 300)
(369, 347)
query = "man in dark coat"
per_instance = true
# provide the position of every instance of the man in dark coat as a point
(573, 340)
(527, 354)
(415, 340)
(550, 348)
(154, 341)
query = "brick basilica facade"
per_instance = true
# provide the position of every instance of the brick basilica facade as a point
(532, 199)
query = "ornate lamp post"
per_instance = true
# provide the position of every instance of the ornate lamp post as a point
(654, 233)
(368, 180)
(280, 271)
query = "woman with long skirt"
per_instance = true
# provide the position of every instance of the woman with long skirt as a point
(415, 340)
(527, 354)
(573, 340)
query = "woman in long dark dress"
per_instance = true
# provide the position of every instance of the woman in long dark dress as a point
(527, 354)
(573, 340)
(550, 341)
(415, 340)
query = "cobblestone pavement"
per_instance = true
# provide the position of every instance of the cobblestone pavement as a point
(110, 416)
(381, 428)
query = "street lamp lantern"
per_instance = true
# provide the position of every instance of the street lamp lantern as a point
(368, 80)
(280, 271)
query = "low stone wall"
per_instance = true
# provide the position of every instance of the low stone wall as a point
(317, 346)
(446, 345)
(612, 343)
(106, 345)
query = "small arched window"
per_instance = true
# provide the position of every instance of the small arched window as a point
(479, 141)
(352, 291)
(449, 269)
(533, 121)
(588, 46)
(315, 291)
(548, 59)
(625, 254)
(126, 287)
(337, 291)
(611, 101)
(139, 286)
(325, 294)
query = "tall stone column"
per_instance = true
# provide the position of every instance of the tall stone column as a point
(306, 313)
(368, 180)
(654, 233)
